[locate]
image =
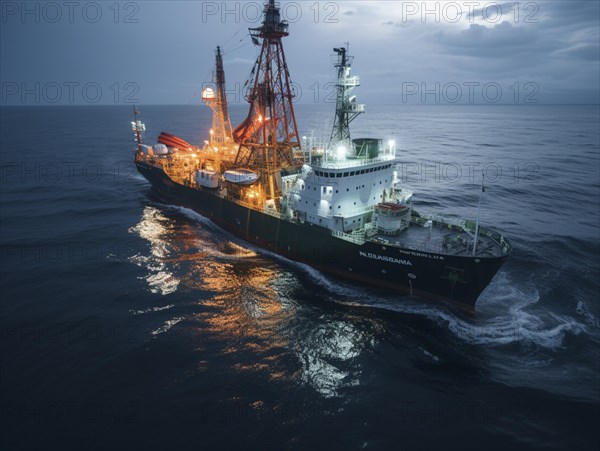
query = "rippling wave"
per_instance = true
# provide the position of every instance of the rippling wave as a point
(115, 300)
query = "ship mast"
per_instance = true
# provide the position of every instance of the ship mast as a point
(220, 132)
(268, 137)
(138, 128)
(346, 108)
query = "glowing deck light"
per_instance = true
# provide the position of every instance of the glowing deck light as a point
(208, 94)
(392, 144)
(341, 152)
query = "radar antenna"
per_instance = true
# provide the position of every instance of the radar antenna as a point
(346, 108)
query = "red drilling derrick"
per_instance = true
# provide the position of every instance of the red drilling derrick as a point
(268, 137)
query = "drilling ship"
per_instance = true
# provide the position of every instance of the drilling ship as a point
(338, 207)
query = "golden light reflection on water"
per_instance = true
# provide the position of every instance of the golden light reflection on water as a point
(252, 312)
(155, 228)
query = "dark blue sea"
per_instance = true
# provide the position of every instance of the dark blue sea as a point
(129, 323)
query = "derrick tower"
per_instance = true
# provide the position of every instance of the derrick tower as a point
(220, 132)
(346, 108)
(268, 137)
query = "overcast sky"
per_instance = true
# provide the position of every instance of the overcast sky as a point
(159, 52)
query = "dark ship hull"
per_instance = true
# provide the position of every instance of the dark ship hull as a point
(435, 276)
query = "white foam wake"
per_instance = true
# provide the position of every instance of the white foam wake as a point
(167, 325)
(152, 309)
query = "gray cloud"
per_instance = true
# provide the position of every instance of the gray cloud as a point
(558, 48)
(588, 52)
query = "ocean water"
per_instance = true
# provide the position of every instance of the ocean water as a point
(129, 323)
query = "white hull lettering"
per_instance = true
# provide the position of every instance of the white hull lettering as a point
(385, 258)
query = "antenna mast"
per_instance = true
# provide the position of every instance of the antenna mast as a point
(138, 128)
(346, 108)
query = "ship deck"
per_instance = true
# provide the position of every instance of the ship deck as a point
(442, 239)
